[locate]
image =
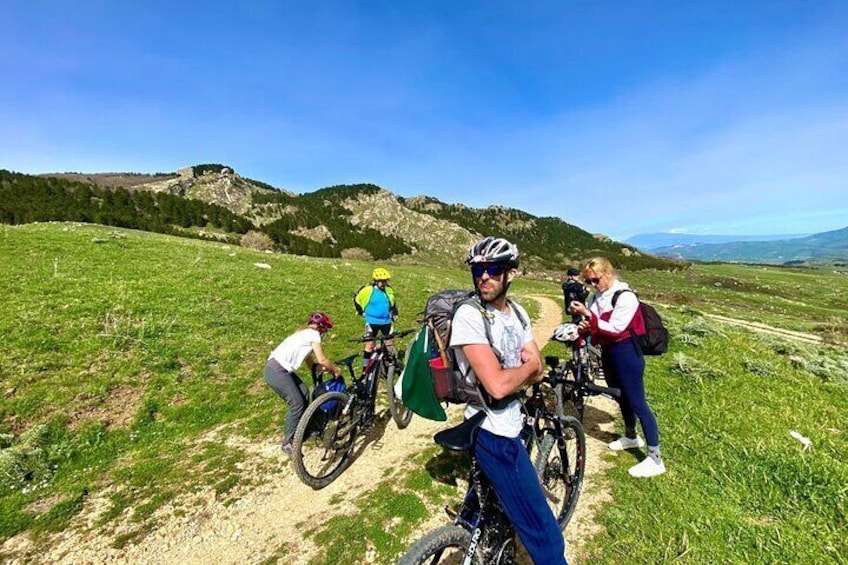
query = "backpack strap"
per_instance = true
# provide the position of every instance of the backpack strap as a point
(525, 323)
(618, 292)
(629, 329)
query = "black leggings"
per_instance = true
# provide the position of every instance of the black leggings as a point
(290, 388)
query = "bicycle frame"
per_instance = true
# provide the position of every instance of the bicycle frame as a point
(366, 385)
(480, 513)
(584, 367)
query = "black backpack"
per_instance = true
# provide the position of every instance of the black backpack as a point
(450, 384)
(655, 339)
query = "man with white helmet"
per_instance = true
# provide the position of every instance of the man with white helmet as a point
(376, 302)
(503, 366)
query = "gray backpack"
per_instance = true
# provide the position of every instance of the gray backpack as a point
(450, 384)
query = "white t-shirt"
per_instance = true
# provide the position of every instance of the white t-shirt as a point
(294, 349)
(509, 337)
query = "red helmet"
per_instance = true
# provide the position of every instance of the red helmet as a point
(321, 320)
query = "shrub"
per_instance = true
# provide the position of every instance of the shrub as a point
(357, 253)
(24, 463)
(693, 369)
(257, 240)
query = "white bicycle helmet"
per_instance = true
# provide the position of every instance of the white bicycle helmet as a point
(566, 332)
(493, 250)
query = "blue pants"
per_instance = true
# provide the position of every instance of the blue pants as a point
(624, 368)
(507, 465)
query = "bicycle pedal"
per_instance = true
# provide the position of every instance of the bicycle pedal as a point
(450, 512)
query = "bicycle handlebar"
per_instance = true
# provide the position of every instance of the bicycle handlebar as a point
(368, 339)
(555, 377)
(608, 390)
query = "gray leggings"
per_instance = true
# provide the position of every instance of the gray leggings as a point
(290, 388)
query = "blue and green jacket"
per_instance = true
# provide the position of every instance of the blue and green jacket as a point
(378, 306)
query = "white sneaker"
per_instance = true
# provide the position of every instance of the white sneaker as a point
(647, 467)
(623, 443)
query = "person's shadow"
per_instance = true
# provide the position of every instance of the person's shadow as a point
(593, 419)
(447, 467)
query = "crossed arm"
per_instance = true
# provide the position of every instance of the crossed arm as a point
(498, 381)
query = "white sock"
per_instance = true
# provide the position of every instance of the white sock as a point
(654, 453)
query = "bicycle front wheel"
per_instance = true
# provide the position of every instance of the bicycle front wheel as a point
(323, 441)
(560, 464)
(400, 413)
(445, 545)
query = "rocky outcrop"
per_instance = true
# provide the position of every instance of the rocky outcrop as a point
(383, 212)
(224, 188)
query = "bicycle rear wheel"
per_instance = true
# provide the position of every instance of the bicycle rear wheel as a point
(560, 467)
(324, 439)
(445, 545)
(400, 413)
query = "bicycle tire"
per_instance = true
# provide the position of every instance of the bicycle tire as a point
(444, 545)
(323, 441)
(400, 413)
(561, 471)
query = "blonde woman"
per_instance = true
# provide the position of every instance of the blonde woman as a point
(614, 319)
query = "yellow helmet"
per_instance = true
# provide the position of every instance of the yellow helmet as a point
(381, 274)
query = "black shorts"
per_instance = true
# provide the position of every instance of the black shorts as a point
(373, 330)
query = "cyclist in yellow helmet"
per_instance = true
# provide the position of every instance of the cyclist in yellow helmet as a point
(376, 303)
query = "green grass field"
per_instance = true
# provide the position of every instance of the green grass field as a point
(119, 349)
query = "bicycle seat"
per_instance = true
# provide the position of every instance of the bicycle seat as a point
(461, 437)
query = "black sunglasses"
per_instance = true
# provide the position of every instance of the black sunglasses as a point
(494, 270)
(593, 280)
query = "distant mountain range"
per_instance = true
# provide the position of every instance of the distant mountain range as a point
(821, 248)
(651, 241)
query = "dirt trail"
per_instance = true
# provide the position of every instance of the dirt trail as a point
(197, 528)
(765, 329)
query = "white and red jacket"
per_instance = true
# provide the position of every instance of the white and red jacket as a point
(608, 324)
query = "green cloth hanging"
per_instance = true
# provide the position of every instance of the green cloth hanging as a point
(418, 391)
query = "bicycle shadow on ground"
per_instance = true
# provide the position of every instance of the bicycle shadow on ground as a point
(372, 437)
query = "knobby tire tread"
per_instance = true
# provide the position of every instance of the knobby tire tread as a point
(445, 537)
(400, 413)
(340, 458)
(547, 443)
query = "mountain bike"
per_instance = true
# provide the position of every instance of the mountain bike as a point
(481, 532)
(557, 446)
(385, 365)
(326, 435)
(574, 379)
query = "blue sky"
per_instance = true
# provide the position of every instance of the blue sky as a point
(618, 117)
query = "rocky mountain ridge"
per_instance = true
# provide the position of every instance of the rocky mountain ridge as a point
(430, 230)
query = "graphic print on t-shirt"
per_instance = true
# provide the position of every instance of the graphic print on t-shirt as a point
(511, 347)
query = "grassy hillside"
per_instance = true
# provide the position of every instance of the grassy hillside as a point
(119, 349)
